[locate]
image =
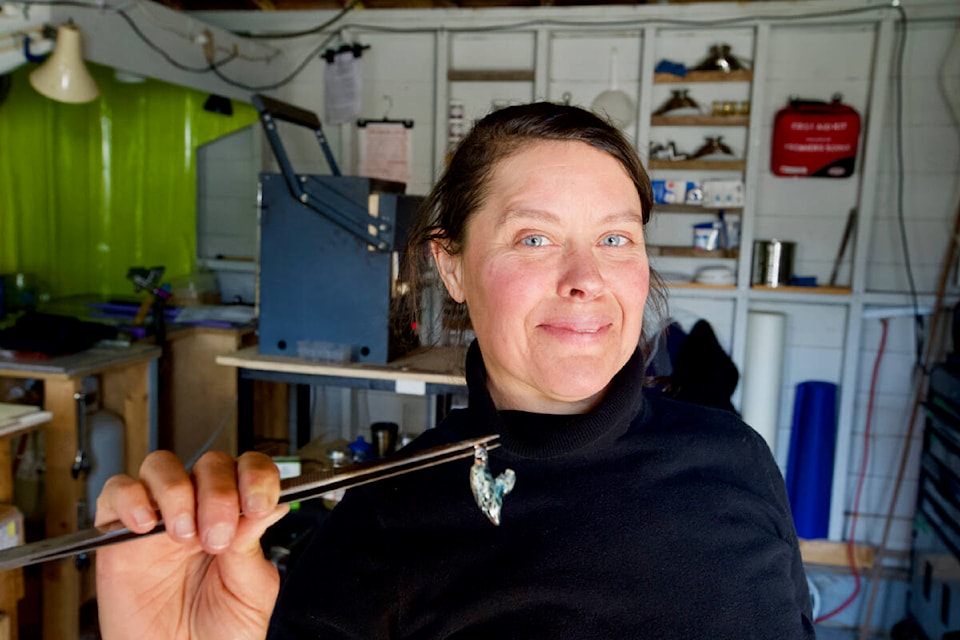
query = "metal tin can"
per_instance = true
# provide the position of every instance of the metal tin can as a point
(772, 262)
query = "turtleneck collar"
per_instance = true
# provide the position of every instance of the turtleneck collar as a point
(529, 435)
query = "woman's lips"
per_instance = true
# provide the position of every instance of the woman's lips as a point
(576, 329)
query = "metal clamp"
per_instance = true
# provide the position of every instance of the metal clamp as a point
(81, 461)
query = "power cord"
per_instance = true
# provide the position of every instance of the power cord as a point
(898, 140)
(620, 24)
(147, 41)
(214, 67)
(851, 547)
(308, 32)
(209, 442)
(275, 85)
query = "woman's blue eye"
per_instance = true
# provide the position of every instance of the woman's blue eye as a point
(535, 241)
(614, 240)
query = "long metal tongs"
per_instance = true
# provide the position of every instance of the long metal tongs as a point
(299, 489)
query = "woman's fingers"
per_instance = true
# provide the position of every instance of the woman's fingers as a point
(126, 500)
(171, 488)
(218, 501)
(259, 484)
(208, 503)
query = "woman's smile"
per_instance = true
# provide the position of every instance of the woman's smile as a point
(573, 328)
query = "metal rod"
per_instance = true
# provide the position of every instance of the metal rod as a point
(299, 489)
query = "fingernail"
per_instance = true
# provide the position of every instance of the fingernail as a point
(255, 503)
(219, 537)
(144, 517)
(183, 526)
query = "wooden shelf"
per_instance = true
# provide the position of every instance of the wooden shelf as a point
(701, 285)
(698, 165)
(835, 554)
(700, 121)
(745, 75)
(695, 209)
(490, 75)
(691, 252)
(837, 291)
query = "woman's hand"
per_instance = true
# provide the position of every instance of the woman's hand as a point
(206, 577)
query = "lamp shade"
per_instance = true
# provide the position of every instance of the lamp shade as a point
(64, 76)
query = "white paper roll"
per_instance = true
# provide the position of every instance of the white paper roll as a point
(763, 373)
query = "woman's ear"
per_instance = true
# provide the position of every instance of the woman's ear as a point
(450, 267)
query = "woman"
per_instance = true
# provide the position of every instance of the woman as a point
(632, 516)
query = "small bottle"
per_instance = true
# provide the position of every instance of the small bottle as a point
(361, 449)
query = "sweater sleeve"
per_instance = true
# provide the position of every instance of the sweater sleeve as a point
(778, 495)
(342, 586)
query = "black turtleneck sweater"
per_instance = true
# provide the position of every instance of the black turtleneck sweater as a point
(644, 518)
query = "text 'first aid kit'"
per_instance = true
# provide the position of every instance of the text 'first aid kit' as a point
(813, 138)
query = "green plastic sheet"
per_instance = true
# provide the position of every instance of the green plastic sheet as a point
(87, 191)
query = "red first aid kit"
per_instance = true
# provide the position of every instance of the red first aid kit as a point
(815, 138)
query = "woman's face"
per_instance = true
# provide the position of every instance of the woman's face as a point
(554, 273)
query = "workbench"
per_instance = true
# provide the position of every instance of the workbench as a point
(128, 382)
(435, 372)
(15, 420)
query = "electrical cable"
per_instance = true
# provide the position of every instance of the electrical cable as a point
(214, 67)
(862, 474)
(514, 26)
(209, 442)
(139, 33)
(274, 85)
(639, 22)
(194, 38)
(898, 141)
(308, 32)
(951, 64)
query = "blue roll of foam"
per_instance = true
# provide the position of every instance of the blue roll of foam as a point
(810, 462)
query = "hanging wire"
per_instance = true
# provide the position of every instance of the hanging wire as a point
(274, 85)
(638, 22)
(308, 32)
(214, 66)
(918, 324)
(861, 476)
(159, 23)
(147, 41)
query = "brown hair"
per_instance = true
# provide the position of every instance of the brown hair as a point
(462, 189)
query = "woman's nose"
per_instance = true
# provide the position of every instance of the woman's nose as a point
(580, 274)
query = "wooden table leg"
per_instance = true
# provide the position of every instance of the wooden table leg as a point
(11, 582)
(304, 418)
(61, 579)
(126, 393)
(245, 434)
